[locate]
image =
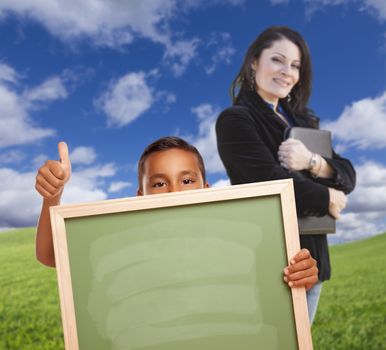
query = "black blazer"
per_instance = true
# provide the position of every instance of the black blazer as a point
(248, 137)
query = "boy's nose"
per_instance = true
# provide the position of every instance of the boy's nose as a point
(172, 188)
(175, 187)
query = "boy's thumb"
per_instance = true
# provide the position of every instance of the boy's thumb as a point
(64, 157)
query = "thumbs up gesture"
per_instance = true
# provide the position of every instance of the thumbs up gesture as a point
(54, 174)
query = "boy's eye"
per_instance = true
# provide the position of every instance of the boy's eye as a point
(188, 181)
(159, 184)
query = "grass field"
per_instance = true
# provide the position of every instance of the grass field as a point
(352, 312)
(351, 315)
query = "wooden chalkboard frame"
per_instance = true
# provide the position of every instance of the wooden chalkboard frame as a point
(283, 188)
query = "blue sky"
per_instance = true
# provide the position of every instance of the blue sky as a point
(109, 77)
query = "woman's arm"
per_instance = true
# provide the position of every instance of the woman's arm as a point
(335, 172)
(344, 178)
(247, 159)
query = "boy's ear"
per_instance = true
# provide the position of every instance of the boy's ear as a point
(139, 192)
(206, 185)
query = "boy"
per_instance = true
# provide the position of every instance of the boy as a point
(167, 165)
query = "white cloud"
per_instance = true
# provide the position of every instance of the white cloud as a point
(371, 174)
(39, 160)
(118, 186)
(355, 226)
(126, 99)
(370, 193)
(108, 23)
(50, 90)
(83, 155)
(16, 125)
(361, 125)
(8, 74)
(326, 2)
(369, 199)
(170, 98)
(11, 157)
(365, 214)
(166, 97)
(197, 3)
(279, 2)
(87, 184)
(115, 23)
(20, 203)
(205, 141)
(377, 8)
(111, 23)
(179, 54)
(221, 183)
(223, 49)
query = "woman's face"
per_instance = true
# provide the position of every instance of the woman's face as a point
(277, 70)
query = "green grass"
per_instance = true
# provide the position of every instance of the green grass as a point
(351, 314)
(29, 300)
(352, 309)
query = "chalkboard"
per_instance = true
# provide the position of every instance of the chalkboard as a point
(190, 270)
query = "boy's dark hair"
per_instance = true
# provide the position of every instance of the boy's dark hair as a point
(164, 144)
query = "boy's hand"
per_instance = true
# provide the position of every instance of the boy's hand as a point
(302, 270)
(53, 175)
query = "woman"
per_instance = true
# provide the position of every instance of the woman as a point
(270, 94)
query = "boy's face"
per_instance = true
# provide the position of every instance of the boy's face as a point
(172, 170)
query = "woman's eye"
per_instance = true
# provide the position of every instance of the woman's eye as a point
(276, 59)
(296, 66)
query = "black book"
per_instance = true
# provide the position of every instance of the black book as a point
(317, 141)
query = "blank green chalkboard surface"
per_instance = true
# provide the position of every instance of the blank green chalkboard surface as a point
(181, 271)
